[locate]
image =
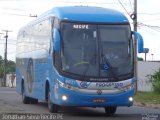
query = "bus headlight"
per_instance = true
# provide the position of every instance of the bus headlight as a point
(64, 98)
(129, 87)
(130, 99)
(126, 88)
(67, 86)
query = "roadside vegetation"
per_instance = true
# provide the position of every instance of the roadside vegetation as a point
(156, 81)
(147, 98)
(10, 66)
(150, 97)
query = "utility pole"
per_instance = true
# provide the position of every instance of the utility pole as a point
(135, 45)
(134, 18)
(5, 57)
(1, 80)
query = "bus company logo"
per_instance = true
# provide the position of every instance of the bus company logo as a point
(99, 92)
(30, 75)
(105, 67)
(84, 84)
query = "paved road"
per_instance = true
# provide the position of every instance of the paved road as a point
(10, 102)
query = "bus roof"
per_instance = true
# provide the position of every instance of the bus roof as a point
(87, 14)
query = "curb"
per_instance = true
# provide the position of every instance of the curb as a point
(141, 104)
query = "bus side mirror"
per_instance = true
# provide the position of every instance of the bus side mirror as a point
(140, 41)
(56, 40)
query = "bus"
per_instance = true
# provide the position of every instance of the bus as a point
(77, 56)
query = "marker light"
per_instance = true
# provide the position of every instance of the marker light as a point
(130, 99)
(64, 98)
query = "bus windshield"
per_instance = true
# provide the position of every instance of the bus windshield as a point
(97, 51)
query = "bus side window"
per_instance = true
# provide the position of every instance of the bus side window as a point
(57, 59)
(56, 55)
(52, 32)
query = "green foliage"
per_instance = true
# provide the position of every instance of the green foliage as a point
(1, 72)
(147, 97)
(156, 81)
(10, 67)
(1, 67)
(140, 59)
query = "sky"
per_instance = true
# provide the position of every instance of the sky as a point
(15, 13)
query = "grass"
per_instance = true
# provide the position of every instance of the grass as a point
(147, 97)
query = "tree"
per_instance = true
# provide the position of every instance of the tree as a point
(10, 66)
(140, 59)
(156, 81)
(1, 67)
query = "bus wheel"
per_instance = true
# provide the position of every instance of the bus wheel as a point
(52, 107)
(33, 101)
(110, 110)
(25, 99)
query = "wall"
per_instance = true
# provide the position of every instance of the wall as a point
(1, 81)
(8, 81)
(145, 69)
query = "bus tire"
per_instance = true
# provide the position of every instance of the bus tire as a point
(53, 108)
(33, 101)
(25, 99)
(110, 110)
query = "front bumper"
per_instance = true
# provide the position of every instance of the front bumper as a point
(88, 100)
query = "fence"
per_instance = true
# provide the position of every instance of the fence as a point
(145, 69)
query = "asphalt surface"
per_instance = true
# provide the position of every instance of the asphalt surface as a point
(11, 104)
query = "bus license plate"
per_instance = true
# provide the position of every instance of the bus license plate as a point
(99, 100)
